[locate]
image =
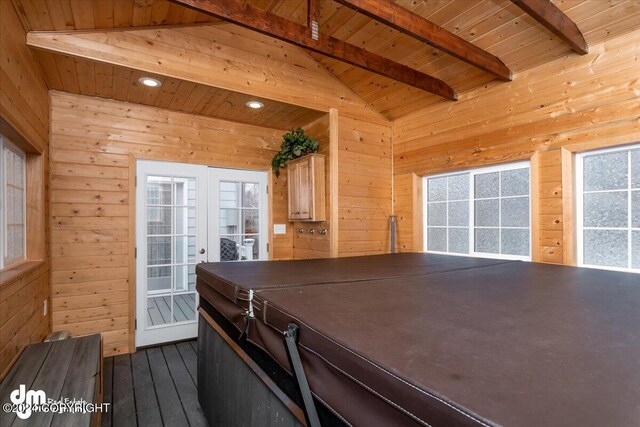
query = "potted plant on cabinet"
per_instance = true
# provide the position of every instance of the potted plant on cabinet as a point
(295, 144)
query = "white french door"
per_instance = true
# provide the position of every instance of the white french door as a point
(171, 224)
(237, 215)
(186, 214)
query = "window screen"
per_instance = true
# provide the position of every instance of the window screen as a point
(483, 212)
(608, 208)
(12, 203)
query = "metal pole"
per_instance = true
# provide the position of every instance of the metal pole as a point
(392, 218)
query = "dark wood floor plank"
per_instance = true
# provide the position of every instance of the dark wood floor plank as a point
(23, 372)
(148, 411)
(107, 390)
(124, 409)
(168, 399)
(190, 359)
(81, 382)
(51, 378)
(185, 386)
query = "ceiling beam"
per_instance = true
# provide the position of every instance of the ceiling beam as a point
(413, 25)
(248, 16)
(556, 21)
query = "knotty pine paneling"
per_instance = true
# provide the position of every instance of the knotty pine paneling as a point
(573, 104)
(92, 140)
(364, 187)
(316, 245)
(24, 105)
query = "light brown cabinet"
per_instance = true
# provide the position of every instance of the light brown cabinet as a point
(306, 182)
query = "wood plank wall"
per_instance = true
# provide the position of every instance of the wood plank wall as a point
(92, 140)
(305, 245)
(364, 186)
(24, 104)
(573, 104)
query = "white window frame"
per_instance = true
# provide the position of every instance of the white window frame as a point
(6, 143)
(579, 198)
(471, 199)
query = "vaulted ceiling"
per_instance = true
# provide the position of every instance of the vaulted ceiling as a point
(497, 26)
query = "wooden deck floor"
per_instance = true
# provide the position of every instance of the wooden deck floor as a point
(153, 387)
(159, 309)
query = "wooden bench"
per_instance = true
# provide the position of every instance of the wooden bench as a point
(66, 369)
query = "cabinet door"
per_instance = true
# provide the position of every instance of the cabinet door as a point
(292, 183)
(305, 192)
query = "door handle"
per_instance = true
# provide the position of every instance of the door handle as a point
(202, 251)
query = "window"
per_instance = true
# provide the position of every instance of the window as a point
(482, 212)
(12, 203)
(608, 208)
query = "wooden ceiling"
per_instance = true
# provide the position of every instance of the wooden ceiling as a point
(84, 77)
(497, 26)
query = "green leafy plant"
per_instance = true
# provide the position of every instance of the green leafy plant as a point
(294, 144)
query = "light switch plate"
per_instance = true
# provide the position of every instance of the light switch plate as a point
(279, 228)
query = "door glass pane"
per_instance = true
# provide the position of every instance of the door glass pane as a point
(250, 247)
(230, 221)
(239, 221)
(184, 249)
(185, 221)
(229, 248)
(158, 250)
(159, 310)
(184, 278)
(229, 194)
(250, 195)
(184, 307)
(159, 279)
(158, 220)
(251, 221)
(158, 190)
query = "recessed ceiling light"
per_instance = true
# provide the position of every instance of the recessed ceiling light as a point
(255, 105)
(150, 82)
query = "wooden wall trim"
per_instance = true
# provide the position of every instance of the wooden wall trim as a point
(568, 207)
(534, 200)
(334, 177)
